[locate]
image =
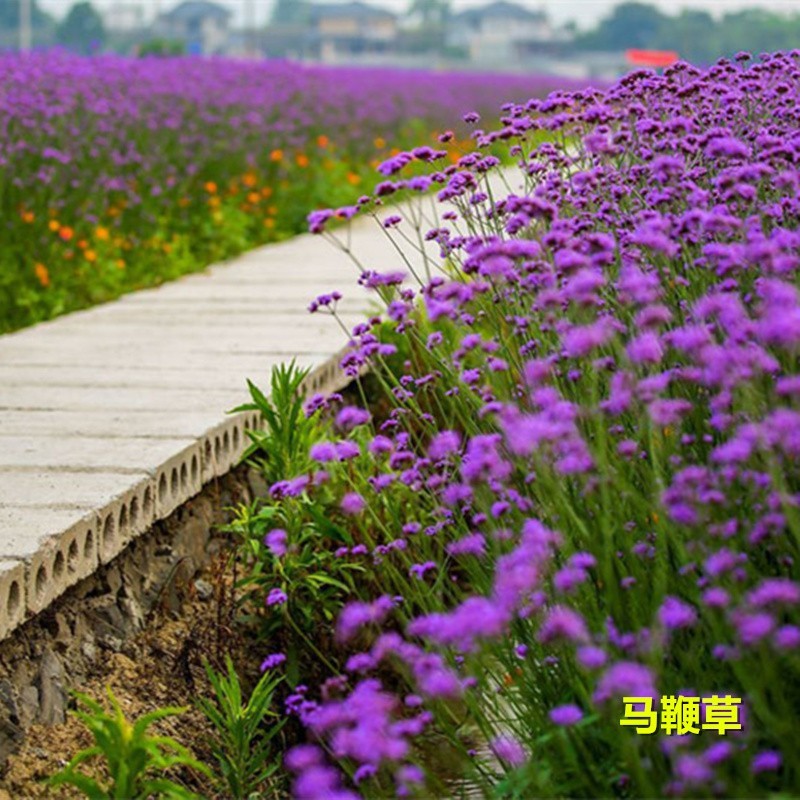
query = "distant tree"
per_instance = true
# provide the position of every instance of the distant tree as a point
(630, 24)
(693, 34)
(290, 12)
(82, 29)
(431, 13)
(10, 14)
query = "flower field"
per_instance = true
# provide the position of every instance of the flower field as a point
(572, 476)
(118, 174)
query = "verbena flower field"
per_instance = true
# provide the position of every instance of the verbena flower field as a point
(120, 173)
(578, 477)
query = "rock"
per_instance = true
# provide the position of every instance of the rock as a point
(191, 540)
(258, 486)
(89, 650)
(205, 591)
(28, 705)
(52, 697)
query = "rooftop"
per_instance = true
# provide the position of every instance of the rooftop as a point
(198, 9)
(350, 10)
(501, 10)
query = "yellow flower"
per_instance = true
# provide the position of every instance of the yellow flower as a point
(54, 225)
(102, 233)
(90, 256)
(42, 274)
(380, 142)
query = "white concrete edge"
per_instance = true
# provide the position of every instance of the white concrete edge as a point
(30, 582)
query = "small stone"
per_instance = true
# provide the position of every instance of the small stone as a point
(28, 705)
(205, 591)
(52, 696)
(89, 650)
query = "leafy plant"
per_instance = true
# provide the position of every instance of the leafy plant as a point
(311, 580)
(243, 746)
(136, 760)
(283, 446)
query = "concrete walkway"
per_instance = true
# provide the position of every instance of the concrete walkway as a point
(113, 417)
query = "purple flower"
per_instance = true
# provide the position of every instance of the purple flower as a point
(275, 540)
(509, 750)
(324, 452)
(563, 623)
(625, 678)
(591, 657)
(276, 597)
(766, 761)
(352, 503)
(566, 715)
(443, 444)
(787, 637)
(674, 613)
(351, 417)
(272, 661)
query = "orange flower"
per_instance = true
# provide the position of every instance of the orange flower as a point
(380, 142)
(66, 233)
(183, 202)
(353, 179)
(323, 141)
(54, 225)
(120, 263)
(102, 233)
(90, 256)
(28, 216)
(272, 210)
(266, 191)
(253, 197)
(211, 187)
(302, 160)
(83, 244)
(214, 202)
(42, 275)
(269, 223)
(276, 155)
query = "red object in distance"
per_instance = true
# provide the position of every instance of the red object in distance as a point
(651, 58)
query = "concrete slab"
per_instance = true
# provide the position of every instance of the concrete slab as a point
(53, 561)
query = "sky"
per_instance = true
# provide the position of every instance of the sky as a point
(585, 12)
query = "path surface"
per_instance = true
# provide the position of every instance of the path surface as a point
(113, 417)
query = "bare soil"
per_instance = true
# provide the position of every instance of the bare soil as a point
(161, 666)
